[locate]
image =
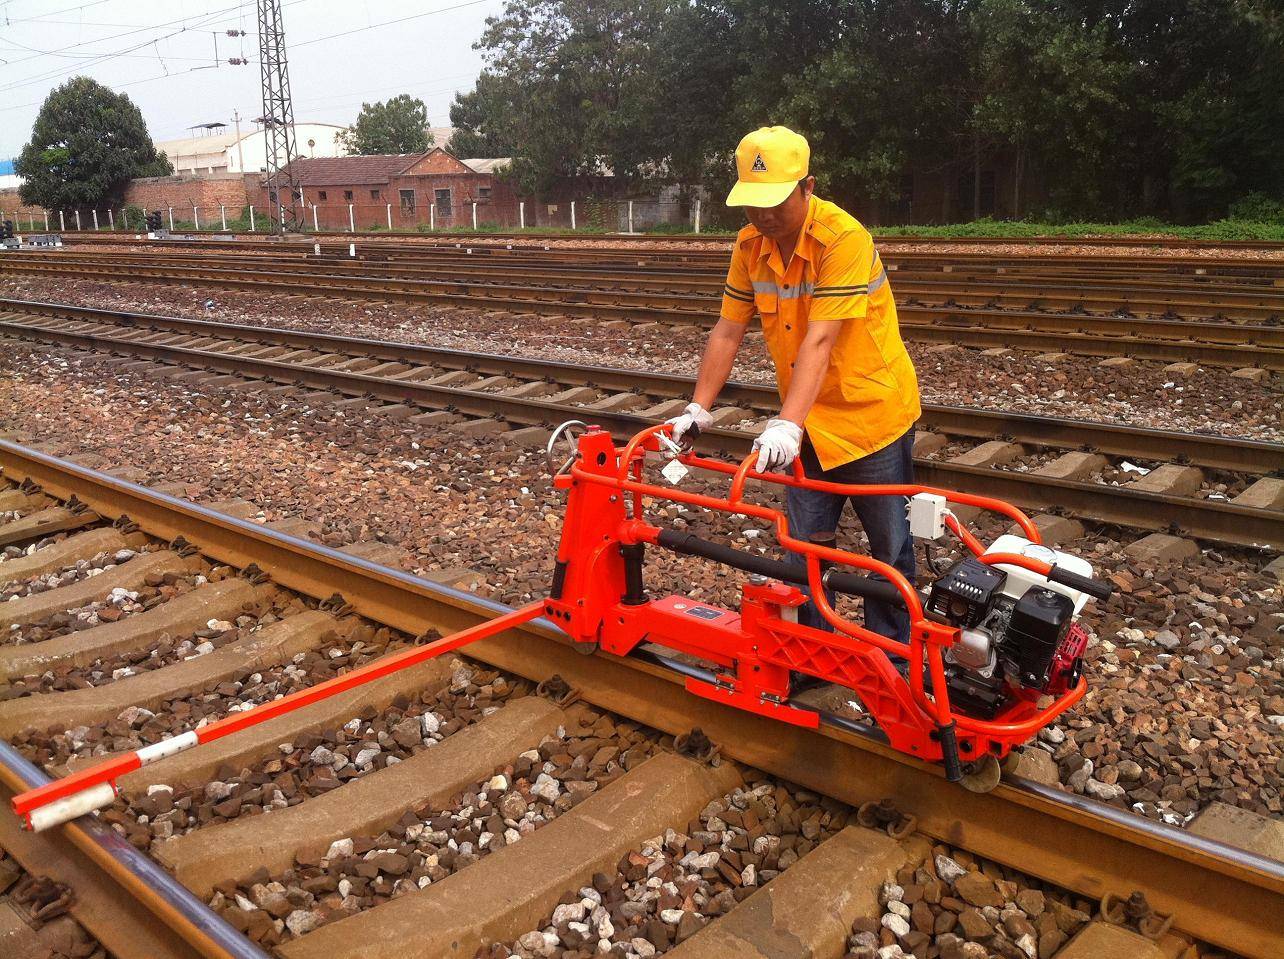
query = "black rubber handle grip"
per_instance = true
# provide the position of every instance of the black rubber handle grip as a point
(851, 584)
(950, 752)
(1093, 587)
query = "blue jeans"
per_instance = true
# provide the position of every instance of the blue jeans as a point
(812, 514)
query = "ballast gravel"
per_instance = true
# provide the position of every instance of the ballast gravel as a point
(953, 906)
(426, 845)
(167, 651)
(120, 603)
(1142, 393)
(317, 763)
(666, 891)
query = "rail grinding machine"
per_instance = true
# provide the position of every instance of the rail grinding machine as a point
(994, 652)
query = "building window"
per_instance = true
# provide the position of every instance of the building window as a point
(347, 195)
(483, 194)
(320, 194)
(443, 202)
(407, 202)
(374, 194)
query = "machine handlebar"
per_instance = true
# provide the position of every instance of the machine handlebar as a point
(1093, 587)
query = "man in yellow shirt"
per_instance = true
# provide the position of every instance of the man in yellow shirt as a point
(849, 395)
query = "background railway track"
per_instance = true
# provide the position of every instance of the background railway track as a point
(1216, 343)
(1217, 893)
(679, 240)
(1042, 461)
(1236, 299)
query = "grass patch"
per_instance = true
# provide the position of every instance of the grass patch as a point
(1145, 227)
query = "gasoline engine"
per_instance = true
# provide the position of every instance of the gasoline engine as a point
(1018, 635)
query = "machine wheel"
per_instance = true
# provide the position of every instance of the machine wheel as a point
(982, 775)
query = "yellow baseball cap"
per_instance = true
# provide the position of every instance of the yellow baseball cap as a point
(769, 163)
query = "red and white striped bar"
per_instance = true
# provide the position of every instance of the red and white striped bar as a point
(94, 788)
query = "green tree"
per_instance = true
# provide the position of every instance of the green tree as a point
(479, 118)
(1053, 91)
(88, 142)
(398, 125)
(568, 80)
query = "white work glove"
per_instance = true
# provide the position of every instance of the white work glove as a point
(695, 419)
(777, 446)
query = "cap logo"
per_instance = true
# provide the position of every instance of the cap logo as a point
(758, 165)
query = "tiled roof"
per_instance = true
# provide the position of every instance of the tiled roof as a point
(344, 171)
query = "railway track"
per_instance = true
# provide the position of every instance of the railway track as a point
(1211, 298)
(295, 602)
(678, 240)
(586, 252)
(1045, 461)
(1214, 343)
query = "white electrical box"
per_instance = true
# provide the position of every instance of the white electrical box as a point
(927, 515)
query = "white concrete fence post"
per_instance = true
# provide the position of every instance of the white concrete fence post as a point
(111, 219)
(521, 213)
(352, 223)
(474, 215)
(62, 222)
(630, 217)
(572, 214)
(46, 221)
(222, 213)
(432, 216)
(95, 215)
(196, 217)
(170, 211)
(78, 220)
(251, 217)
(697, 215)
(389, 205)
(315, 228)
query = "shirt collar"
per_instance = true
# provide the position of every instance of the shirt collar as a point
(771, 250)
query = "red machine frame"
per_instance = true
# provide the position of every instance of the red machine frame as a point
(597, 599)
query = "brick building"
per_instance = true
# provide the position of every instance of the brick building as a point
(421, 188)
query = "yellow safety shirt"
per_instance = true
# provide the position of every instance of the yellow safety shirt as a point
(869, 396)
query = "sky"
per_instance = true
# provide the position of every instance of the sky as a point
(341, 53)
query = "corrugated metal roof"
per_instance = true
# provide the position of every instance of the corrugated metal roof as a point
(342, 171)
(488, 166)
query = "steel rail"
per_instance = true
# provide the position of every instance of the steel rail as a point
(1224, 522)
(1168, 340)
(1011, 291)
(1263, 293)
(514, 264)
(144, 881)
(1205, 450)
(680, 238)
(381, 244)
(1218, 893)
